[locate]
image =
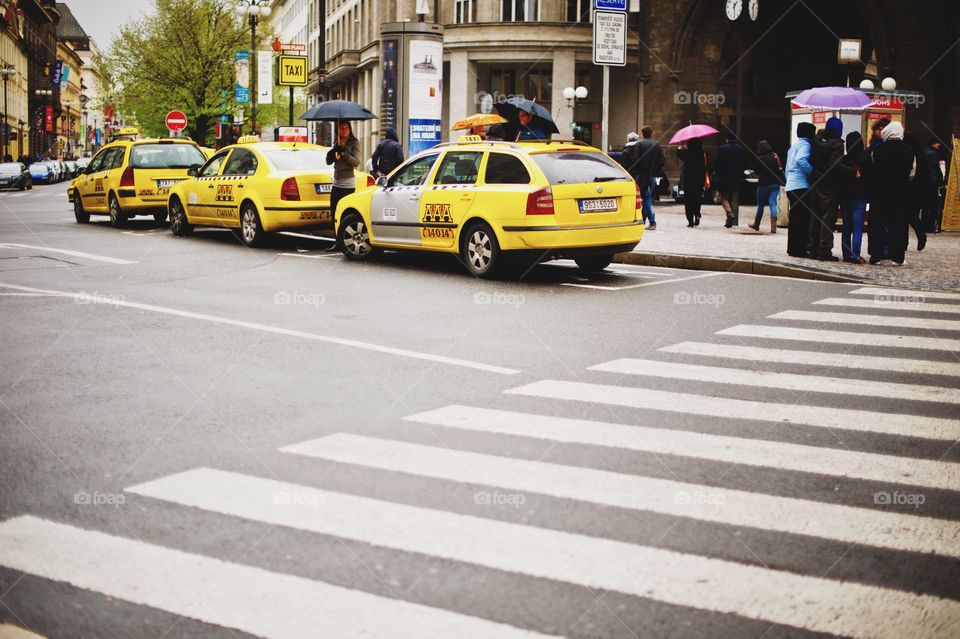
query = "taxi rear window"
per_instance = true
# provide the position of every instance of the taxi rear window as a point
(299, 159)
(165, 156)
(568, 167)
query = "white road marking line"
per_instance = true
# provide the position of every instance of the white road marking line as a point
(245, 598)
(389, 350)
(783, 415)
(812, 358)
(927, 307)
(841, 337)
(732, 450)
(88, 256)
(696, 501)
(818, 604)
(887, 293)
(312, 257)
(304, 235)
(869, 320)
(152, 233)
(788, 381)
(623, 288)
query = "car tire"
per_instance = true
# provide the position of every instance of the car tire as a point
(480, 251)
(160, 217)
(179, 225)
(354, 238)
(594, 263)
(251, 231)
(22, 187)
(81, 216)
(117, 217)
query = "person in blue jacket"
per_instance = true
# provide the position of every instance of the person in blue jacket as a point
(798, 171)
(529, 130)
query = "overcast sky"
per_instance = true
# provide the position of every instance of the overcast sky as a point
(101, 19)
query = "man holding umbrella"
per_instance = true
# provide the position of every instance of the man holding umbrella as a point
(526, 120)
(529, 130)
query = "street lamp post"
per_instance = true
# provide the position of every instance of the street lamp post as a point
(572, 95)
(254, 9)
(42, 95)
(7, 72)
(68, 129)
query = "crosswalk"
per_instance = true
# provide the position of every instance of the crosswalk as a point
(706, 424)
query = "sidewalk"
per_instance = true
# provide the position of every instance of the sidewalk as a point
(936, 268)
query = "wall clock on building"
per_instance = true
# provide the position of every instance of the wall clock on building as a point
(753, 9)
(734, 9)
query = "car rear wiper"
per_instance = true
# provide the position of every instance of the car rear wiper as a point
(608, 178)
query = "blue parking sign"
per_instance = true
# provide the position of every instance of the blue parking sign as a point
(610, 5)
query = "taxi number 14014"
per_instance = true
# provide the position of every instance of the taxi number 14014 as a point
(598, 205)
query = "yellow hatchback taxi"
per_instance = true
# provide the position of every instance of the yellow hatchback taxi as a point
(258, 188)
(496, 203)
(131, 177)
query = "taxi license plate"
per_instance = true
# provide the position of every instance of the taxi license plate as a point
(598, 205)
(324, 188)
(166, 184)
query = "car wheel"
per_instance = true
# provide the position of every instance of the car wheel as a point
(480, 251)
(178, 219)
(354, 238)
(82, 216)
(117, 218)
(160, 217)
(22, 187)
(594, 263)
(251, 231)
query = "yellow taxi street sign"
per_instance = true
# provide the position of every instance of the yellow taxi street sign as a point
(292, 70)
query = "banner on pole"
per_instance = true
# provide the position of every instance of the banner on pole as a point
(242, 66)
(264, 77)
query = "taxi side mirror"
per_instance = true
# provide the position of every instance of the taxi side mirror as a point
(382, 181)
(193, 171)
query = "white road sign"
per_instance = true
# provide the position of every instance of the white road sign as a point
(610, 38)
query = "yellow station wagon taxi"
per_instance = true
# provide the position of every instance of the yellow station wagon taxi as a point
(258, 188)
(132, 177)
(493, 201)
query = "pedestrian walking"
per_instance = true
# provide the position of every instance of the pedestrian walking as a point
(769, 181)
(345, 158)
(798, 173)
(924, 188)
(938, 157)
(830, 173)
(732, 160)
(893, 163)
(388, 155)
(853, 200)
(695, 179)
(646, 162)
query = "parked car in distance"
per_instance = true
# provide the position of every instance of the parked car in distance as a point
(14, 175)
(82, 163)
(72, 169)
(42, 172)
(55, 169)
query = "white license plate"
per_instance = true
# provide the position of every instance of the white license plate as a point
(166, 184)
(324, 188)
(598, 204)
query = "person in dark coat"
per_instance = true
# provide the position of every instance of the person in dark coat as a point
(923, 190)
(893, 163)
(799, 170)
(732, 160)
(830, 174)
(853, 199)
(769, 181)
(695, 164)
(646, 163)
(875, 132)
(388, 155)
(939, 159)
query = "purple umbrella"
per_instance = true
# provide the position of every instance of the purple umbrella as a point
(838, 98)
(692, 131)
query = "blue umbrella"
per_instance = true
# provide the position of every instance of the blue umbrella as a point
(541, 117)
(334, 110)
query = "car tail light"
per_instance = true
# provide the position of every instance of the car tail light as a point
(127, 178)
(639, 200)
(289, 190)
(371, 181)
(540, 202)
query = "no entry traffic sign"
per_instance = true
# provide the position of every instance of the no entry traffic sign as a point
(176, 121)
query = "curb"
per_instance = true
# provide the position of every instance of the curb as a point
(731, 265)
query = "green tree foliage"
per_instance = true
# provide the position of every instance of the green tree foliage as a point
(179, 57)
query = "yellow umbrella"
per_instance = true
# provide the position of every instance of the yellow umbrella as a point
(478, 119)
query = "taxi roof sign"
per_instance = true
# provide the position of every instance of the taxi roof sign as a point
(292, 70)
(129, 130)
(467, 139)
(248, 139)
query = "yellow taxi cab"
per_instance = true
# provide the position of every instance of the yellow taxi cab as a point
(494, 203)
(132, 176)
(258, 188)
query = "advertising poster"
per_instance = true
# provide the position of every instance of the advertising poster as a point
(264, 77)
(388, 84)
(49, 118)
(242, 66)
(424, 90)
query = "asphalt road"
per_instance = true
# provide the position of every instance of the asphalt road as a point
(198, 439)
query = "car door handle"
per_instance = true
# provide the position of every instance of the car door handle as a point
(415, 198)
(209, 186)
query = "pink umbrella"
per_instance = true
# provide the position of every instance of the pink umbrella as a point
(692, 131)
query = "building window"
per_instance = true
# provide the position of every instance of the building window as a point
(463, 11)
(501, 84)
(520, 10)
(539, 86)
(578, 10)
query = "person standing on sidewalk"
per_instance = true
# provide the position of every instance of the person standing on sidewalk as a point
(923, 188)
(345, 157)
(388, 155)
(646, 163)
(853, 200)
(732, 160)
(769, 181)
(695, 179)
(829, 174)
(893, 165)
(798, 172)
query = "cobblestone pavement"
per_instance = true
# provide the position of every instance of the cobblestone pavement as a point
(937, 267)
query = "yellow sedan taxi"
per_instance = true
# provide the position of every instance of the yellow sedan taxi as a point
(494, 203)
(131, 177)
(258, 188)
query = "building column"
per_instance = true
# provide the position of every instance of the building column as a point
(564, 75)
(462, 92)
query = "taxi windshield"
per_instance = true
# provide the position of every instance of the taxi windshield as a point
(165, 156)
(298, 159)
(566, 167)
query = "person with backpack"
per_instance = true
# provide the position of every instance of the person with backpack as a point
(646, 161)
(388, 155)
(769, 181)
(830, 174)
